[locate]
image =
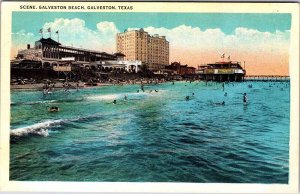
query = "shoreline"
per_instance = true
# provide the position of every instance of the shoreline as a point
(57, 86)
(82, 85)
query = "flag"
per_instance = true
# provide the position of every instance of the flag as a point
(223, 56)
(41, 30)
(49, 29)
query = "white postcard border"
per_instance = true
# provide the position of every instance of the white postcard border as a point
(196, 7)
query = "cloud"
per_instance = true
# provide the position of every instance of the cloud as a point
(74, 32)
(23, 37)
(20, 40)
(241, 39)
(107, 28)
(264, 52)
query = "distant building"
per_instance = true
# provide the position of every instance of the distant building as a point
(222, 71)
(179, 69)
(129, 66)
(139, 45)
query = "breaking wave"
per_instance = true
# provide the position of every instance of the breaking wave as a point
(40, 129)
(32, 103)
(47, 101)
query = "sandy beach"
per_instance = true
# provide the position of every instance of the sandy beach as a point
(73, 85)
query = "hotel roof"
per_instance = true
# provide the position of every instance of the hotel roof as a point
(48, 41)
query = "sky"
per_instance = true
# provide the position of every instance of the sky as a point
(261, 40)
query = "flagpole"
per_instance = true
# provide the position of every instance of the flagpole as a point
(223, 56)
(57, 35)
(49, 30)
(41, 32)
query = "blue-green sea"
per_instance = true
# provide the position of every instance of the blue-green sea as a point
(153, 136)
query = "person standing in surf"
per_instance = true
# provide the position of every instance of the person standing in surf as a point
(245, 99)
(77, 86)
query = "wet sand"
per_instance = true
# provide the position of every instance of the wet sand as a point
(57, 85)
(39, 86)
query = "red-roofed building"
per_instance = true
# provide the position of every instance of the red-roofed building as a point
(179, 69)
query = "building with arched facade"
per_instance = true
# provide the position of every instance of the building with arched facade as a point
(129, 66)
(47, 53)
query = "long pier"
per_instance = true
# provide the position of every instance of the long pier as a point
(267, 78)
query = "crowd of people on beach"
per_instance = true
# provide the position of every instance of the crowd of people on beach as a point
(49, 87)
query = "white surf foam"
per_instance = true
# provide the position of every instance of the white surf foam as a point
(41, 102)
(42, 127)
(33, 102)
(110, 97)
(104, 97)
(35, 129)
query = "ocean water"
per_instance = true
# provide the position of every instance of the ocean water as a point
(153, 137)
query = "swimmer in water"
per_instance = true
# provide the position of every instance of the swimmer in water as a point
(220, 103)
(125, 97)
(156, 90)
(245, 98)
(115, 102)
(193, 93)
(53, 109)
(187, 98)
(225, 94)
(45, 91)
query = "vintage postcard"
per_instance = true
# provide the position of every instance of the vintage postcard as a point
(166, 97)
